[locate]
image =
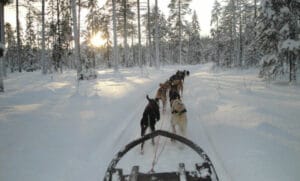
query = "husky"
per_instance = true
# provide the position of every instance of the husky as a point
(173, 94)
(150, 116)
(178, 117)
(178, 79)
(178, 84)
(161, 93)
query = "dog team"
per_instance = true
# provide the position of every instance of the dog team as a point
(172, 89)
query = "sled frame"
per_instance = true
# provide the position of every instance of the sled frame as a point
(112, 166)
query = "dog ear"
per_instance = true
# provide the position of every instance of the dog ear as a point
(187, 73)
(148, 97)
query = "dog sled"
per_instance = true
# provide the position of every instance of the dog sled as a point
(203, 171)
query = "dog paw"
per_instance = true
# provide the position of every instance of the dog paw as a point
(142, 152)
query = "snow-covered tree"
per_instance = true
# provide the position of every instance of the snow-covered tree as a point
(105, 28)
(115, 48)
(278, 35)
(215, 33)
(2, 49)
(30, 59)
(43, 57)
(194, 55)
(126, 17)
(10, 56)
(178, 9)
(157, 59)
(93, 21)
(2, 42)
(76, 38)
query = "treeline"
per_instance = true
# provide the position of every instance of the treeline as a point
(262, 33)
(244, 33)
(177, 35)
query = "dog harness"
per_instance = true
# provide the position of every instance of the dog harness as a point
(179, 113)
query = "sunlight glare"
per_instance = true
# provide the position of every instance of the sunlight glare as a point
(97, 40)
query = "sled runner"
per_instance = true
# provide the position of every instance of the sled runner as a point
(204, 171)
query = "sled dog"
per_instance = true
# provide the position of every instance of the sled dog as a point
(178, 117)
(173, 94)
(150, 116)
(161, 93)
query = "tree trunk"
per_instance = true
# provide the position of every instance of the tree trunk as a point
(78, 26)
(240, 54)
(292, 62)
(180, 43)
(2, 23)
(44, 70)
(255, 10)
(2, 42)
(125, 33)
(18, 36)
(59, 36)
(76, 38)
(149, 58)
(116, 56)
(139, 34)
(157, 62)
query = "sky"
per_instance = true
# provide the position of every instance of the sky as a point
(203, 9)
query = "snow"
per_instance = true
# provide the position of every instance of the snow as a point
(291, 45)
(53, 129)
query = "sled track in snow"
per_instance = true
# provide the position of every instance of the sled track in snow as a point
(207, 138)
(130, 122)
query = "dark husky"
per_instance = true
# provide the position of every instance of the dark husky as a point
(180, 75)
(150, 116)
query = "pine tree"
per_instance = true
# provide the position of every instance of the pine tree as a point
(158, 26)
(2, 42)
(251, 53)
(157, 59)
(76, 38)
(125, 19)
(139, 35)
(215, 32)
(43, 57)
(93, 27)
(10, 55)
(178, 9)
(30, 50)
(277, 35)
(105, 20)
(194, 40)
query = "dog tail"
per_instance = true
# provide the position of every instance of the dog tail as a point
(148, 97)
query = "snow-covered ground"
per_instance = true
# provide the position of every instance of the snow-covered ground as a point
(50, 130)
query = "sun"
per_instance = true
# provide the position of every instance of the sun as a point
(97, 40)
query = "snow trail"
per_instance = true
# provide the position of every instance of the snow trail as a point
(51, 131)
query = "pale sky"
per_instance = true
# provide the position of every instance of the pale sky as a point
(202, 7)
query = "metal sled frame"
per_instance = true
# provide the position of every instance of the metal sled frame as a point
(182, 174)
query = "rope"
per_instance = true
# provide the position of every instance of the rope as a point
(164, 145)
(156, 156)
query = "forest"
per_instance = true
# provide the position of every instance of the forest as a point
(77, 78)
(244, 33)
